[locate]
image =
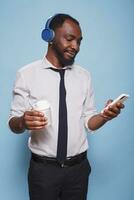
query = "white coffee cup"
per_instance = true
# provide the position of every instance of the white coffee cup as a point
(44, 106)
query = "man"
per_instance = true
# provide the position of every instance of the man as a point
(56, 171)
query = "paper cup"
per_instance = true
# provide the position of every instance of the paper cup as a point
(43, 106)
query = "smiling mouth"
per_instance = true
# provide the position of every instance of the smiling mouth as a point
(71, 54)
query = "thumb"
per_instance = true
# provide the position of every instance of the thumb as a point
(108, 102)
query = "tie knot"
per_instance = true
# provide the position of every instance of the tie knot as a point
(61, 71)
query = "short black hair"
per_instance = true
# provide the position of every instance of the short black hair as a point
(59, 19)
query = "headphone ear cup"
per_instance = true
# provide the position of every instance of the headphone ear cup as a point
(48, 35)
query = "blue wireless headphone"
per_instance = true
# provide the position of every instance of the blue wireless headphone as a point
(47, 33)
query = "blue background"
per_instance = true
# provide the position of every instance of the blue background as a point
(107, 52)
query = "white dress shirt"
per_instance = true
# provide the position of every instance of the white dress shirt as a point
(35, 82)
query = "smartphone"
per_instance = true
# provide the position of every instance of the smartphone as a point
(122, 98)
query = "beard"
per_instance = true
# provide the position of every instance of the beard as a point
(61, 57)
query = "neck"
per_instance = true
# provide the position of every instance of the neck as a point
(52, 58)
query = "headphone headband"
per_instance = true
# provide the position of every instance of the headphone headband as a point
(49, 20)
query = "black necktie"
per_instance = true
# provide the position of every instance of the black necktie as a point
(62, 129)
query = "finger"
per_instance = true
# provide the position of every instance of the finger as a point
(34, 118)
(108, 102)
(114, 109)
(110, 113)
(34, 113)
(37, 126)
(35, 123)
(120, 105)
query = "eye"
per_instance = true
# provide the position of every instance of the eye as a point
(69, 38)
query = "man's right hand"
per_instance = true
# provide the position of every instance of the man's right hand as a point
(34, 120)
(31, 120)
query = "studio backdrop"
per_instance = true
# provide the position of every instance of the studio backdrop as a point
(107, 52)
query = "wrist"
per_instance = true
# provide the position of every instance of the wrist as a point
(22, 125)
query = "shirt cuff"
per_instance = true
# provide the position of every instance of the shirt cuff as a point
(86, 123)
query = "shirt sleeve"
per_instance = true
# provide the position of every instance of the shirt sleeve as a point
(20, 97)
(89, 103)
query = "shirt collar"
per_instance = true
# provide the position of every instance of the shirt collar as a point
(46, 64)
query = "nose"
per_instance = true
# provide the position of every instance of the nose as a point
(75, 45)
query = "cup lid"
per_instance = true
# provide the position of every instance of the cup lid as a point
(41, 104)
